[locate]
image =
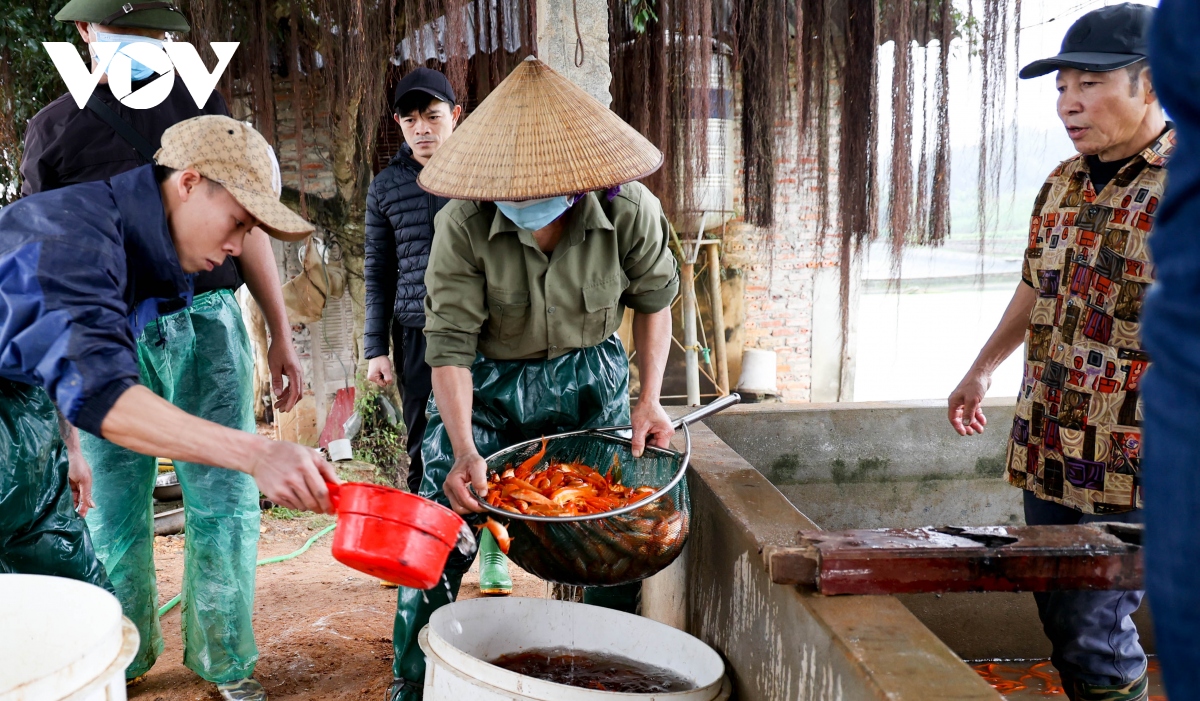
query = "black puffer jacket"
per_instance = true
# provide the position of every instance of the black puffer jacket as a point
(399, 235)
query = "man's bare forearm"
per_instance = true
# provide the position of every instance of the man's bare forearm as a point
(146, 423)
(652, 338)
(454, 393)
(1009, 333)
(262, 279)
(70, 435)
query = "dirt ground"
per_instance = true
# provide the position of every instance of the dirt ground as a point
(324, 631)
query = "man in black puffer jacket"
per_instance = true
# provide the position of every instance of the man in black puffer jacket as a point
(399, 235)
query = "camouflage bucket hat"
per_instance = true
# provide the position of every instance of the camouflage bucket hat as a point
(233, 154)
(119, 13)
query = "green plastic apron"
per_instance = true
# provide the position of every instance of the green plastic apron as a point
(40, 532)
(198, 359)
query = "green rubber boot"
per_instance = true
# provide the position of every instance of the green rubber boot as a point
(1136, 690)
(494, 579)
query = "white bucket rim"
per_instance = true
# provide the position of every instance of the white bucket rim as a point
(477, 669)
(51, 669)
(724, 693)
(129, 648)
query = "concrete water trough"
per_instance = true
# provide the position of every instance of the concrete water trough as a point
(761, 473)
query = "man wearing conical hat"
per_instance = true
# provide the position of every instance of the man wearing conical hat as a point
(546, 243)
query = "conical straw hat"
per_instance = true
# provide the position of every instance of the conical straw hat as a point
(538, 135)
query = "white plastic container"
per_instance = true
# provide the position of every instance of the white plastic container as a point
(340, 450)
(758, 371)
(461, 637)
(62, 640)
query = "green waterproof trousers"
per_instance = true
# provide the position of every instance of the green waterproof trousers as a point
(515, 400)
(40, 533)
(199, 360)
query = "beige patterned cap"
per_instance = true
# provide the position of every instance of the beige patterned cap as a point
(233, 154)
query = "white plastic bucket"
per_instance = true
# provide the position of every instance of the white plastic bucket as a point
(758, 371)
(62, 640)
(462, 636)
(340, 450)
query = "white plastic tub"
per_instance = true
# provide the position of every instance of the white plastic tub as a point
(62, 640)
(461, 637)
(758, 371)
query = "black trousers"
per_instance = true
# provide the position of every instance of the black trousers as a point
(1094, 639)
(415, 379)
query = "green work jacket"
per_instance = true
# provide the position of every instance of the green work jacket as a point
(491, 289)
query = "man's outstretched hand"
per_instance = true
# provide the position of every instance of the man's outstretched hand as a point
(964, 411)
(294, 476)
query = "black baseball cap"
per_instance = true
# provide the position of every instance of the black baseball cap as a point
(1102, 40)
(428, 81)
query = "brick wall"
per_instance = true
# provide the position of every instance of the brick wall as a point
(779, 266)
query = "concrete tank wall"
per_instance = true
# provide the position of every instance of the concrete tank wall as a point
(781, 643)
(901, 465)
(877, 464)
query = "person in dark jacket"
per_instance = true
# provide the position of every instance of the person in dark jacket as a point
(65, 145)
(399, 235)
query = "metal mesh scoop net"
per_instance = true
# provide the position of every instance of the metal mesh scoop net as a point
(614, 547)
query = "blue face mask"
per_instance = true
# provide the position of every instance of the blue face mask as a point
(535, 214)
(137, 71)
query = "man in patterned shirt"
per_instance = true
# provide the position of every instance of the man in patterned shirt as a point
(1075, 444)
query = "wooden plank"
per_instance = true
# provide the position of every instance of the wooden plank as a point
(951, 559)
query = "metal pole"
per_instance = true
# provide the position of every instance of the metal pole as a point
(718, 317)
(687, 275)
(692, 366)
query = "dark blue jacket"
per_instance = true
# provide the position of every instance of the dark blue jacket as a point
(83, 269)
(398, 237)
(1175, 242)
(65, 145)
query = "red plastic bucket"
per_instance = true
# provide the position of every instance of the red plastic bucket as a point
(393, 535)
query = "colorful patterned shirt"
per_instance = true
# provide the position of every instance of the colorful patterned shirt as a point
(1076, 438)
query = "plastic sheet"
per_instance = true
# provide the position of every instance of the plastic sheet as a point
(199, 360)
(40, 533)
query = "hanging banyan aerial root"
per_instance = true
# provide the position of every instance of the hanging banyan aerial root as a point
(662, 81)
(833, 49)
(659, 79)
(661, 85)
(334, 53)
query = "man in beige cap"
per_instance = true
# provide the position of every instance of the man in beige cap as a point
(67, 145)
(531, 269)
(83, 270)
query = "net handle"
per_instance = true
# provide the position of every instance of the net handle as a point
(680, 423)
(700, 414)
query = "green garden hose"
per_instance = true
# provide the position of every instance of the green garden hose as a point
(171, 604)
